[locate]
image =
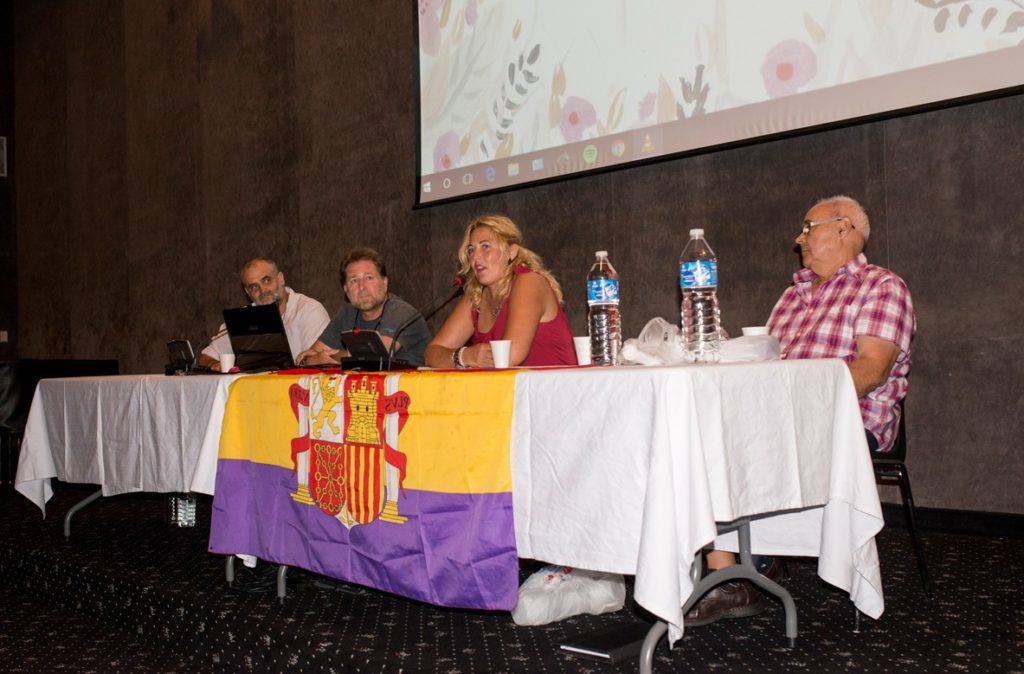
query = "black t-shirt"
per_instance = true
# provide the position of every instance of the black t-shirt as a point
(412, 342)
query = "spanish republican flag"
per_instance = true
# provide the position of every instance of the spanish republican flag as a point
(395, 481)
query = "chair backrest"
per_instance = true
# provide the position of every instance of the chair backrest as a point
(11, 418)
(899, 446)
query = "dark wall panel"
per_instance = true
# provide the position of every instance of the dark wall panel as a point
(247, 179)
(95, 276)
(165, 244)
(40, 119)
(8, 238)
(354, 107)
(194, 135)
(956, 215)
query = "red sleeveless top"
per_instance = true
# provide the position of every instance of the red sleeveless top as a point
(552, 343)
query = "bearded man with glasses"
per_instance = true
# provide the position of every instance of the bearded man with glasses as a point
(303, 317)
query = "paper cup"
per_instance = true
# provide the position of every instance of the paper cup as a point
(227, 361)
(500, 349)
(582, 345)
(755, 330)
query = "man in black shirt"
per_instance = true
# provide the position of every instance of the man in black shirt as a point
(364, 278)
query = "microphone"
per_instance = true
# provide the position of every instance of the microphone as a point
(426, 314)
(202, 345)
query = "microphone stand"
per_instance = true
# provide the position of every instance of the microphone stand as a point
(438, 305)
(202, 345)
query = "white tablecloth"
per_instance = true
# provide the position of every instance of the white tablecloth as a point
(614, 469)
(128, 433)
(627, 470)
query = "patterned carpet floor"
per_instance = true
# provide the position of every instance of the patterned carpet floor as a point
(132, 593)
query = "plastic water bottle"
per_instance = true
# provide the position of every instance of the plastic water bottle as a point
(603, 311)
(698, 279)
(182, 509)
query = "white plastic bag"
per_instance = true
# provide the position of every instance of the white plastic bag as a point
(658, 344)
(557, 592)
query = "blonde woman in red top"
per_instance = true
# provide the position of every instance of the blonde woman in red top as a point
(509, 295)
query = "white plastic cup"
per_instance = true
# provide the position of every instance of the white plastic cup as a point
(500, 350)
(227, 361)
(582, 345)
(755, 330)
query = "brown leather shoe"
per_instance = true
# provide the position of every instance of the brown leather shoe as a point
(735, 599)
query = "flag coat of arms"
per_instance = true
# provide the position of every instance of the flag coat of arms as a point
(401, 482)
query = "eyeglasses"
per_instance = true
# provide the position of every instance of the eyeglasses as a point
(264, 282)
(811, 224)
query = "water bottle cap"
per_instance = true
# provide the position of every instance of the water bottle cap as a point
(601, 253)
(696, 233)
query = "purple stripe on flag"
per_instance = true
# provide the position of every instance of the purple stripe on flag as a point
(455, 550)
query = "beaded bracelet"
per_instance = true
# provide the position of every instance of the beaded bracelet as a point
(457, 358)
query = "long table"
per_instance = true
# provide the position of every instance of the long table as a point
(129, 433)
(615, 469)
(623, 470)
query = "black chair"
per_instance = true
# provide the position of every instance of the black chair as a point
(18, 379)
(891, 469)
(13, 413)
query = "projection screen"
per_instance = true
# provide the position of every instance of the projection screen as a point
(518, 91)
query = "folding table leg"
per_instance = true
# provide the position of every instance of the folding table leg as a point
(75, 508)
(282, 590)
(745, 570)
(654, 635)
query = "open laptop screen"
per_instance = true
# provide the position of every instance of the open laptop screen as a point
(258, 338)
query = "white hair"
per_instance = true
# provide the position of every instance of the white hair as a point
(844, 206)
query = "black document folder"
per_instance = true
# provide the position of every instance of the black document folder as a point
(614, 644)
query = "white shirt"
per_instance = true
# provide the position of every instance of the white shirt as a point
(304, 319)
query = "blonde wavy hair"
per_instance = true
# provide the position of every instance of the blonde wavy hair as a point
(506, 235)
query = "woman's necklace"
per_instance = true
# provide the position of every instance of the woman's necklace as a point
(494, 306)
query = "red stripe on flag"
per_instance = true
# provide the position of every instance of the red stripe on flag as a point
(365, 503)
(349, 492)
(377, 475)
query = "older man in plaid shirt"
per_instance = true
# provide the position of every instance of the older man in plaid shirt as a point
(839, 306)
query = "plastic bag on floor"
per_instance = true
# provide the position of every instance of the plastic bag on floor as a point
(557, 592)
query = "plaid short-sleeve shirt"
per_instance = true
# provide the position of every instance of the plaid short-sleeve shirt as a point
(859, 299)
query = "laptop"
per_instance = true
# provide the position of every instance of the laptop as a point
(258, 338)
(367, 353)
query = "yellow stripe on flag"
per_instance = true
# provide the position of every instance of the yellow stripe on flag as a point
(258, 420)
(456, 439)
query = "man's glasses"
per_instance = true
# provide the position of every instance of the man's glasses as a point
(811, 224)
(264, 282)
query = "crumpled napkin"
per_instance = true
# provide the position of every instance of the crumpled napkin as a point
(749, 349)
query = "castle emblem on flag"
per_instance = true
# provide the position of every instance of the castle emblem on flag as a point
(346, 454)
